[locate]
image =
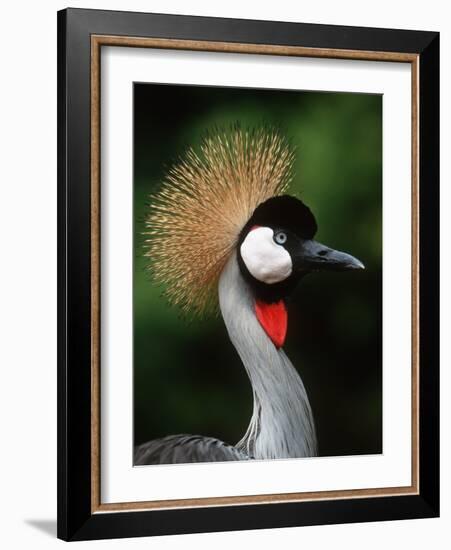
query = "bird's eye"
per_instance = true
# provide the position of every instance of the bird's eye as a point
(280, 237)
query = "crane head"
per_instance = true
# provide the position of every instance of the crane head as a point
(276, 248)
(227, 195)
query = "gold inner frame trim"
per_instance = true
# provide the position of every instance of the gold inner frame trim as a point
(97, 41)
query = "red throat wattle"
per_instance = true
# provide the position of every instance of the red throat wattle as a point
(274, 319)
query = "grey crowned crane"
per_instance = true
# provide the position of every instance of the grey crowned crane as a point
(222, 231)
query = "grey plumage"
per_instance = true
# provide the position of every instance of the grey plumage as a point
(179, 449)
(282, 422)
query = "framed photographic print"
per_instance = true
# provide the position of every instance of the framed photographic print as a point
(248, 274)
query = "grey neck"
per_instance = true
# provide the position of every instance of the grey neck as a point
(282, 422)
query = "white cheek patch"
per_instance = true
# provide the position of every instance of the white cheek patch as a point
(265, 260)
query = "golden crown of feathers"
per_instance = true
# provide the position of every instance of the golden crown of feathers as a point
(205, 200)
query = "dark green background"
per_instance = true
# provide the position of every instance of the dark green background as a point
(187, 375)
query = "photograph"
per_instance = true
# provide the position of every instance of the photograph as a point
(257, 274)
(247, 235)
(225, 281)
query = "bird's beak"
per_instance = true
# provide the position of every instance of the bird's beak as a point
(314, 256)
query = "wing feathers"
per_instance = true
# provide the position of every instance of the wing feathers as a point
(182, 449)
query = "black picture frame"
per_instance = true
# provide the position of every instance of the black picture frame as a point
(76, 519)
